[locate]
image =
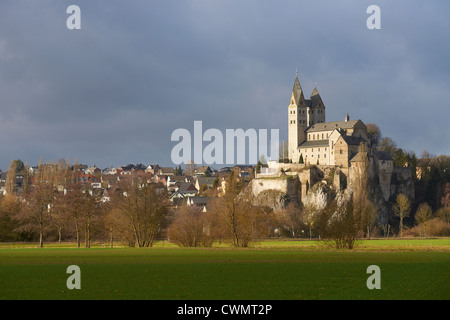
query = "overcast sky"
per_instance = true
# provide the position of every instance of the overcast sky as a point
(113, 92)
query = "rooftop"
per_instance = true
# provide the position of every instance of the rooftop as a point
(328, 126)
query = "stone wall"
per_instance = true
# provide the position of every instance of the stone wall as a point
(287, 185)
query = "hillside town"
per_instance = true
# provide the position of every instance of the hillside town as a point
(191, 186)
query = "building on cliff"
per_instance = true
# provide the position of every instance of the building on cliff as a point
(330, 154)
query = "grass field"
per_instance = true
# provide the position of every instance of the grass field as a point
(272, 270)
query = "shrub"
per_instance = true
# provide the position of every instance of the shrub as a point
(190, 228)
(435, 228)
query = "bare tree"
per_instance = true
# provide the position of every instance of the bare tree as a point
(364, 210)
(309, 218)
(401, 209)
(35, 213)
(388, 145)
(423, 214)
(144, 208)
(444, 214)
(59, 217)
(9, 208)
(343, 224)
(72, 207)
(369, 216)
(340, 225)
(289, 219)
(191, 228)
(373, 135)
(90, 213)
(238, 219)
(10, 183)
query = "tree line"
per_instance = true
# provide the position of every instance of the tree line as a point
(53, 205)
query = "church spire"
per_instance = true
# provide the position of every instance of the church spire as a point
(297, 91)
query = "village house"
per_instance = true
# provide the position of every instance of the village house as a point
(198, 202)
(205, 171)
(166, 171)
(205, 181)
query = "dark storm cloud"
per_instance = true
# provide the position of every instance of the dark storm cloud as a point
(113, 92)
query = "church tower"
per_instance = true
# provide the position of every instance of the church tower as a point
(316, 108)
(297, 120)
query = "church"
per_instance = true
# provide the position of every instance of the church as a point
(314, 141)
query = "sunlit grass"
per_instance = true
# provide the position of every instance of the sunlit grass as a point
(271, 270)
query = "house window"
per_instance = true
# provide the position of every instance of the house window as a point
(324, 155)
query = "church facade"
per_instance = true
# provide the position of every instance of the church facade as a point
(314, 141)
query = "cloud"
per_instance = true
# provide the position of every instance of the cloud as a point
(114, 91)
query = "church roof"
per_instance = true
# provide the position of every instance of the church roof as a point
(314, 143)
(327, 126)
(352, 140)
(315, 98)
(297, 91)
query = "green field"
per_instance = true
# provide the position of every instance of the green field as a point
(272, 270)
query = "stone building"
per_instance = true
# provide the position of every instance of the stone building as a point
(315, 141)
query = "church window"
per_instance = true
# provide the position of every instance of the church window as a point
(341, 152)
